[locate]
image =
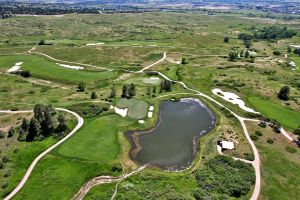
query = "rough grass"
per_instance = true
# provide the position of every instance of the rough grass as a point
(137, 109)
(280, 169)
(287, 117)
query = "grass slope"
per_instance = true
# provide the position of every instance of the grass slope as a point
(42, 68)
(288, 118)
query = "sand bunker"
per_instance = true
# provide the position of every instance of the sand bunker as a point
(150, 113)
(234, 99)
(152, 80)
(141, 121)
(70, 66)
(296, 46)
(94, 44)
(15, 68)
(122, 112)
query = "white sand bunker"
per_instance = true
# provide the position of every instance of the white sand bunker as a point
(150, 113)
(141, 121)
(94, 44)
(120, 111)
(70, 66)
(152, 80)
(15, 68)
(296, 46)
(234, 99)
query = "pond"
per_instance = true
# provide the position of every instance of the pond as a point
(172, 144)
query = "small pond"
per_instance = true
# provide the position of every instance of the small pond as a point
(172, 143)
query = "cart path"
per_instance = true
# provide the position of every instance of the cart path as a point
(39, 157)
(31, 51)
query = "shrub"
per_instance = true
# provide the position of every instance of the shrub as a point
(270, 141)
(258, 133)
(254, 137)
(276, 53)
(290, 149)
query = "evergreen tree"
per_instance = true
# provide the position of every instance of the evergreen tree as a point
(25, 125)
(131, 90)
(124, 91)
(81, 86)
(113, 92)
(11, 132)
(62, 126)
(47, 125)
(284, 93)
(154, 91)
(33, 130)
(148, 91)
(94, 95)
(38, 112)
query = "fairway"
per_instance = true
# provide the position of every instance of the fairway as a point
(288, 118)
(42, 68)
(96, 141)
(137, 109)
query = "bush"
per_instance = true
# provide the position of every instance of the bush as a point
(254, 137)
(270, 141)
(258, 133)
(223, 177)
(276, 53)
(88, 109)
(290, 149)
(25, 73)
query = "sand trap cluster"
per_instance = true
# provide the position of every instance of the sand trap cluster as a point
(234, 99)
(293, 64)
(296, 46)
(94, 44)
(120, 111)
(70, 66)
(150, 113)
(15, 68)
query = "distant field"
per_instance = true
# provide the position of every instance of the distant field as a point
(137, 109)
(42, 68)
(288, 118)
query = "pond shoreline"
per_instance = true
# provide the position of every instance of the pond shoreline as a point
(133, 136)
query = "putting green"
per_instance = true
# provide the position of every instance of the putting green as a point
(287, 117)
(137, 109)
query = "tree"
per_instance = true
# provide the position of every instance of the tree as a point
(47, 125)
(226, 39)
(297, 131)
(131, 90)
(112, 92)
(81, 86)
(11, 132)
(247, 54)
(124, 91)
(94, 95)
(232, 55)
(41, 42)
(38, 112)
(297, 51)
(148, 91)
(289, 49)
(184, 61)
(166, 85)
(284, 93)
(154, 91)
(62, 126)
(33, 130)
(25, 73)
(24, 125)
(276, 53)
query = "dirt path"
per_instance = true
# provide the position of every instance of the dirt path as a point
(31, 51)
(103, 180)
(39, 157)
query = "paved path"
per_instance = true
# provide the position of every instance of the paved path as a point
(157, 62)
(35, 161)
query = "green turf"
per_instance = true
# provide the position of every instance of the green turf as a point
(42, 68)
(96, 141)
(296, 59)
(137, 109)
(287, 117)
